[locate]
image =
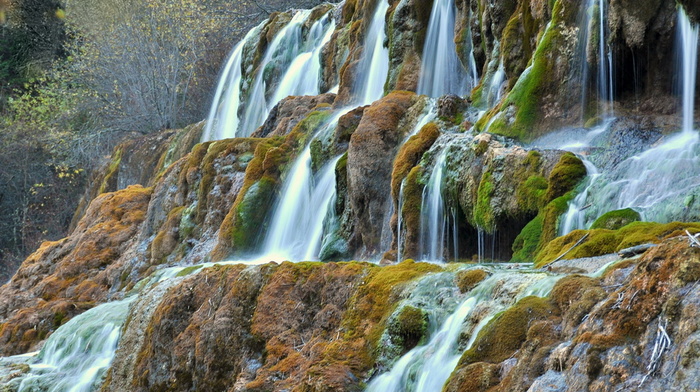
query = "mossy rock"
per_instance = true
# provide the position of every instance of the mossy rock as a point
(374, 301)
(536, 84)
(567, 173)
(411, 153)
(411, 210)
(617, 219)
(526, 243)
(483, 211)
(468, 279)
(408, 327)
(602, 241)
(541, 230)
(504, 335)
(250, 213)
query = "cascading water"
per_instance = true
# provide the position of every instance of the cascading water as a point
(575, 217)
(296, 232)
(297, 226)
(434, 220)
(495, 87)
(430, 114)
(441, 70)
(222, 121)
(427, 367)
(688, 32)
(283, 49)
(595, 28)
(303, 74)
(290, 51)
(660, 182)
(373, 68)
(76, 356)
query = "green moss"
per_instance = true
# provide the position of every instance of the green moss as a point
(411, 209)
(602, 241)
(541, 230)
(567, 173)
(526, 243)
(504, 335)
(551, 215)
(617, 219)
(372, 304)
(188, 270)
(477, 95)
(483, 211)
(533, 84)
(411, 153)
(409, 327)
(250, 213)
(531, 193)
(468, 279)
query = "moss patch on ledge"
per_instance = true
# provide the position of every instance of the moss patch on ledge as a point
(617, 219)
(603, 241)
(503, 335)
(483, 211)
(371, 306)
(411, 153)
(568, 172)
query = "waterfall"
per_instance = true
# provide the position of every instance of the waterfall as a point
(575, 217)
(595, 30)
(76, 356)
(441, 70)
(303, 74)
(373, 67)
(659, 182)
(434, 221)
(495, 87)
(297, 61)
(427, 367)
(283, 48)
(429, 114)
(689, 46)
(222, 121)
(297, 225)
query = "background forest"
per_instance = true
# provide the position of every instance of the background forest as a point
(78, 76)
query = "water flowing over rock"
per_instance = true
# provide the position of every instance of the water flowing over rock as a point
(546, 181)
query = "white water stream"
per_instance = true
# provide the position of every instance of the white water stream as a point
(76, 356)
(298, 56)
(222, 121)
(441, 70)
(595, 26)
(434, 219)
(427, 367)
(296, 231)
(374, 64)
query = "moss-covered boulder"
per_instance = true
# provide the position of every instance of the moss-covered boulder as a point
(408, 327)
(503, 335)
(617, 219)
(468, 279)
(603, 241)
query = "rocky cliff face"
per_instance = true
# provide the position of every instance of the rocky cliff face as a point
(339, 325)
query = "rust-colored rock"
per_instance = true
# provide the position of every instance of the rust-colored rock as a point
(64, 278)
